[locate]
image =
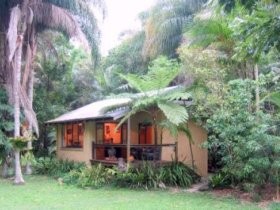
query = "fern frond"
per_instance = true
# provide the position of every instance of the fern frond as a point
(177, 95)
(161, 73)
(174, 112)
(171, 127)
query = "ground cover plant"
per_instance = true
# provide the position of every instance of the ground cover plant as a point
(146, 176)
(42, 193)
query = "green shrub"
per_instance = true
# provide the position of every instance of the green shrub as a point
(55, 168)
(244, 143)
(274, 206)
(177, 174)
(94, 177)
(149, 176)
(145, 176)
(220, 180)
(248, 187)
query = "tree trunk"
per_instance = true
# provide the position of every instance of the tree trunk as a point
(28, 169)
(16, 83)
(18, 176)
(16, 86)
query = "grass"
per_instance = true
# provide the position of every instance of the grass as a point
(45, 193)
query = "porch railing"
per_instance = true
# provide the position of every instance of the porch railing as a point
(100, 152)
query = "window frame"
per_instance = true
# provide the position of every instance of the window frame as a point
(80, 132)
(98, 141)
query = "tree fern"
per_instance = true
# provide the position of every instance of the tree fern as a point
(161, 73)
(175, 113)
(154, 97)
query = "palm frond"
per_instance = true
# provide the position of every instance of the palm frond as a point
(134, 81)
(177, 94)
(58, 18)
(164, 25)
(145, 102)
(171, 127)
(123, 103)
(126, 117)
(209, 31)
(174, 112)
(83, 10)
(161, 73)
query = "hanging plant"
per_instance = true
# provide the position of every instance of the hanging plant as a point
(19, 142)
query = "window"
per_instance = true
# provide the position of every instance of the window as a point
(73, 135)
(107, 133)
(145, 133)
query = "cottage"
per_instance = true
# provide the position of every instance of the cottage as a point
(89, 134)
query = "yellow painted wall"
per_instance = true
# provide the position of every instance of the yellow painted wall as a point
(200, 154)
(77, 154)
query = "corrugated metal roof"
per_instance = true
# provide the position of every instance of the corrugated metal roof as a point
(94, 110)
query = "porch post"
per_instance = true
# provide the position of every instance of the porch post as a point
(128, 142)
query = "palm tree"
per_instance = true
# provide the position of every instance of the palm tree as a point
(22, 19)
(164, 26)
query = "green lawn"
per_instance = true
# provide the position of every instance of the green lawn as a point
(45, 193)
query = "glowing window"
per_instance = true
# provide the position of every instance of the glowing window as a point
(73, 135)
(107, 133)
(145, 133)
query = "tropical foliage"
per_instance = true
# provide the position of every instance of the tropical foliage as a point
(64, 82)
(21, 21)
(146, 176)
(55, 168)
(164, 25)
(226, 63)
(245, 143)
(125, 58)
(235, 74)
(6, 127)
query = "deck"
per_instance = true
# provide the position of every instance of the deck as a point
(135, 163)
(137, 153)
